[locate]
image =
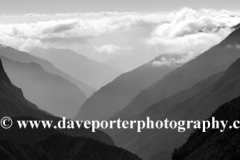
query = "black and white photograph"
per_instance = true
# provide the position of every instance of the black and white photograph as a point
(119, 80)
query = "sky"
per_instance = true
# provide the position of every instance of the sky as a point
(10, 7)
(121, 33)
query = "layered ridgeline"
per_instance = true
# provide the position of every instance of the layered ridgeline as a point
(12, 101)
(216, 59)
(80, 67)
(47, 144)
(197, 102)
(116, 95)
(48, 91)
(214, 145)
(24, 57)
(14, 104)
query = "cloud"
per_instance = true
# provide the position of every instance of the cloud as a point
(237, 46)
(191, 32)
(163, 62)
(63, 32)
(107, 48)
(64, 27)
(172, 59)
(186, 32)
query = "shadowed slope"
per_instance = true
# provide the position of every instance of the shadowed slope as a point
(115, 96)
(24, 57)
(189, 104)
(215, 60)
(214, 145)
(50, 92)
(13, 104)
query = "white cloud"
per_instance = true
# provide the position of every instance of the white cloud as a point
(173, 59)
(107, 48)
(237, 46)
(164, 61)
(192, 32)
(186, 32)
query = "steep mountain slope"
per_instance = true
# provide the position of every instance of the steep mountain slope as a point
(47, 144)
(216, 59)
(50, 92)
(13, 104)
(24, 57)
(158, 111)
(198, 106)
(214, 145)
(175, 99)
(113, 97)
(80, 67)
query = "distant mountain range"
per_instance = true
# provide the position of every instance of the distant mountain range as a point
(51, 92)
(47, 144)
(24, 57)
(192, 91)
(78, 66)
(14, 104)
(131, 61)
(116, 95)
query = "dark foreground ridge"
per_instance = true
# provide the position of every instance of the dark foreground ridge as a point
(214, 145)
(62, 147)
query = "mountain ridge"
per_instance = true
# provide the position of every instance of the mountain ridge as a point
(215, 60)
(198, 104)
(25, 57)
(114, 97)
(93, 73)
(50, 92)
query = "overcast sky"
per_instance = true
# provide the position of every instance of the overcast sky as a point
(9, 7)
(122, 33)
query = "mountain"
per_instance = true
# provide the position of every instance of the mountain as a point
(14, 105)
(78, 66)
(13, 102)
(131, 61)
(196, 103)
(116, 95)
(62, 147)
(215, 60)
(47, 144)
(236, 26)
(136, 142)
(50, 92)
(24, 57)
(214, 145)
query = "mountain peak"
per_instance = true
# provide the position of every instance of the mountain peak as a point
(234, 37)
(236, 26)
(3, 74)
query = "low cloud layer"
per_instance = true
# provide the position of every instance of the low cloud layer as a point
(186, 32)
(107, 48)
